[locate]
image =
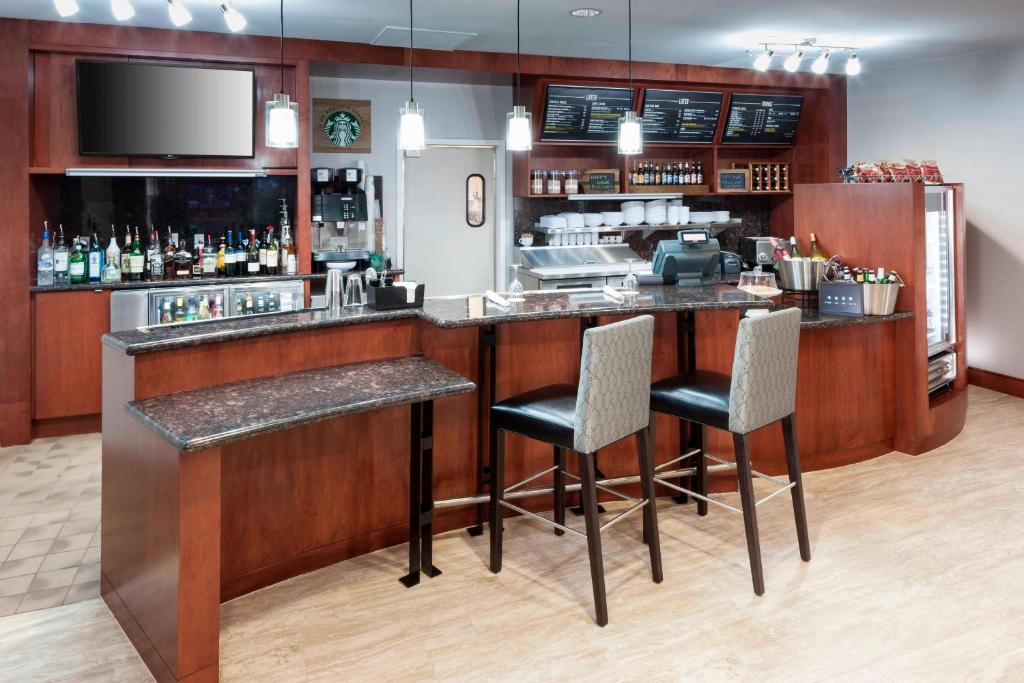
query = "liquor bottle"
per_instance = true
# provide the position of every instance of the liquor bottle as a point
(165, 313)
(816, 253)
(44, 260)
(182, 260)
(156, 257)
(197, 261)
(675, 173)
(252, 259)
(229, 254)
(136, 259)
(700, 173)
(167, 256)
(222, 248)
(209, 258)
(263, 252)
(218, 306)
(76, 264)
(794, 250)
(239, 305)
(657, 173)
(204, 308)
(179, 309)
(632, 175)
(114, 254)
(95, 259)
(126, 254)
(273, 253)
(288, 251)
(248, 300)
(60, 258)
(192, 309)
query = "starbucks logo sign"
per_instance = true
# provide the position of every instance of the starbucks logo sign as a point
(341, 126)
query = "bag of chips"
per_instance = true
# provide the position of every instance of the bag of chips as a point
(868, 172)
(913, 170)
(930, 172)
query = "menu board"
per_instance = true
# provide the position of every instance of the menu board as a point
(681, 115)
(578, 113)
(762, 119)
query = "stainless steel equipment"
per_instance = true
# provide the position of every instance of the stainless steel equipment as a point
(578, 267)
(800, 275)
(343, 212)
(134, 308)
(757, 251)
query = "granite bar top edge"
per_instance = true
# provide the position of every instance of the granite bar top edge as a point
(458, 385)
(826, 321)
(172, 284)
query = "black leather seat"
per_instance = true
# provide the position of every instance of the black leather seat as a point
(546, 414)
(699, 396)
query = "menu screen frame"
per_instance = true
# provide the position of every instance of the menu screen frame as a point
(582, 136)
(760, 140)
(669, 138)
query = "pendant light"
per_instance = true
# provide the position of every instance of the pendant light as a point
(66, 8)
(122, 9)
(792, 63)
(410, 126)
(631, 135)
(820, 65)
(178, 13)
(853, 65)
(282, 115)
(519, 125)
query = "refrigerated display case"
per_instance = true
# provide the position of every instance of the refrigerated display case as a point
(265, 297)
(186, 304)
(940, 273)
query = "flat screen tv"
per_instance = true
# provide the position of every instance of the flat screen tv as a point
(150, 110)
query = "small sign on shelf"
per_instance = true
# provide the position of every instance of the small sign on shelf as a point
(733, 180)
(597, 180)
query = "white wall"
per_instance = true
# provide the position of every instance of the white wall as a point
(965, 112)
(452, 112)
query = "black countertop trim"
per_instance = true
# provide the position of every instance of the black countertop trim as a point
(214, 416)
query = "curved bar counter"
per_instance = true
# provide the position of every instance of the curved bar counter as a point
(321, 490)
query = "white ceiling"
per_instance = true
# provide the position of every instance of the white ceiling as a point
(892, 32)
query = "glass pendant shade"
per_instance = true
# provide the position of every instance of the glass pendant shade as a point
(631, 136)
(282, 122)
(853, 65)
(410, 128)
(820, 65)
(764, 60)
(792, 63)
(233, 18)
(122, 9)
(65, 8)
(178, 12)
(519, 130)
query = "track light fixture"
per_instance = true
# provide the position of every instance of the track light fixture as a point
(122, 9)
(792, 63)
(232, 17)
(66, 8)
(178, 12)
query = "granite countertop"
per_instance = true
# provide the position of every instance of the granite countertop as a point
(184, 282)
(812, 320)
(214, 416)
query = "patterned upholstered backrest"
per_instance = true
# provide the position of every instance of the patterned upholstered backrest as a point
(614, 397)
(764, 370)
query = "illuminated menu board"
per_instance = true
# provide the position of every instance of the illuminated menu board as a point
(575, 113)
(681, 115)
(762, 119)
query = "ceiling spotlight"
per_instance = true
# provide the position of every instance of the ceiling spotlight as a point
(764, 60)
(820, 64)
(585, 12)
(66, 8)
(122, 9)
(792, 63)
(853, 65)
(232, 17)
(178, 12)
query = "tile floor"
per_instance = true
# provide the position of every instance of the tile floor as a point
(49, 523)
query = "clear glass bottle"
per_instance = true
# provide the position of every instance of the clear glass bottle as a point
(60, 259)
(44, 260)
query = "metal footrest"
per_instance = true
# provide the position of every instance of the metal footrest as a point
(726, 464)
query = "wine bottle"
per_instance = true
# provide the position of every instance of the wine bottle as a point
(136, 259)
(253, 255)
(126, 254)
(816, 253)
(273, 253)
(95, 259)
(794, 250)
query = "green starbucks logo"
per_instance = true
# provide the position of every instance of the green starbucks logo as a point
(342, 128)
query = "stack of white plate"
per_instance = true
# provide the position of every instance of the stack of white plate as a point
(592, 220)
(633, 212)
(673, 214)
(553, 222)
(573, 220)
(612, 218)
(702, 216)
(655, 212)
(721, 216)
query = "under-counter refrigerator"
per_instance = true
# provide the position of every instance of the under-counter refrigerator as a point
(940, 279)
(194, 303)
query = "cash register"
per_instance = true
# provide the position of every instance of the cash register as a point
(690, 259)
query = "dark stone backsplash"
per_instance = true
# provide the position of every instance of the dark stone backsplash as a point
(754, 211)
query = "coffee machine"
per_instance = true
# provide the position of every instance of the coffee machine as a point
(341, 214)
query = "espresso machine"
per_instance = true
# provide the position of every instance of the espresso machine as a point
(342, 217)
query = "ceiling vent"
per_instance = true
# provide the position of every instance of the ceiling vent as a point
(426, 38)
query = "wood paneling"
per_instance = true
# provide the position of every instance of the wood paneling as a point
(67, 352)
(1014, 386)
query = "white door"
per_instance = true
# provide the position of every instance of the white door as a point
(448, 241)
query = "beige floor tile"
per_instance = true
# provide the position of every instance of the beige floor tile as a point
(87, 573)
(91, 555)
(85, 512)
(55, 517)
(15, 585)
(4, 550)
(30, 549)
(15, 523)
(9, 538)
(9, 605)
(71, 558)
(71, 543)
(12, 568)
(52, 597)
(79, 526)
(83, 591)
(39, 533)
(57, 578)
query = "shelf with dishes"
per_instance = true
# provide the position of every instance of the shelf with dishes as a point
(714, 226)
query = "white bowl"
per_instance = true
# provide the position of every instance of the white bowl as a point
(592, 220)
(625, 206)
(721, 216)
(612, 218)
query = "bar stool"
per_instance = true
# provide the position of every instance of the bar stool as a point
(611, 403)
(761, 390)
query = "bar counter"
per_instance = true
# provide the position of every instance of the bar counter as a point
(324, 485)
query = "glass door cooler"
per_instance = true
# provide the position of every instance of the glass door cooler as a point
(940, 279)
(265, 297)
(186, 304)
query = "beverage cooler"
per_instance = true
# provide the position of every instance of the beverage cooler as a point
(940, 279)
(168, 305)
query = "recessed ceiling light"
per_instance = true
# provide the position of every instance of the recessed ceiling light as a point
(585, 12)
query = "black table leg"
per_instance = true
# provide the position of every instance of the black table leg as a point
(486, 390)
(686, 360)
(421, 494)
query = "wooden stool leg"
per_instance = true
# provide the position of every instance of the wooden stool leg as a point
(588, 495)
(746, 484)
(559, 486)
(497, 494)
(793, 464)
(652, 441)
(645, 456)
(701, 477)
